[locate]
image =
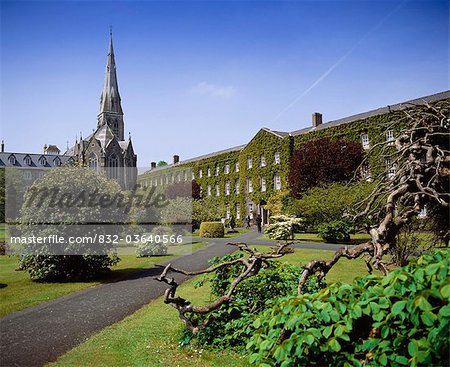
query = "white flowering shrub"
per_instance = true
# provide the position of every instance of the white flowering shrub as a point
(283, 227)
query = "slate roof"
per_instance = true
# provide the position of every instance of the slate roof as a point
(32, 160)
(378, 111)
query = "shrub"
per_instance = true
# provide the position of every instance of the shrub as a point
(206, 210)
(333, 202)
(151, 248)
(283, 227)
(212, 230)
(397, 320)
(229, 324)
(335, 231)
(81, 261)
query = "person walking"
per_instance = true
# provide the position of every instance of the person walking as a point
(247, 222)
(259, 222)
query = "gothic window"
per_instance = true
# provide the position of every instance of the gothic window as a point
(12, 160)
(113, 166)
(56, 161)
(92, 162)
(42, 161)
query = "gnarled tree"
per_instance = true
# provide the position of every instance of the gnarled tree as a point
(416, 176)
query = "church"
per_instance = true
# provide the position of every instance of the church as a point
(106, 149)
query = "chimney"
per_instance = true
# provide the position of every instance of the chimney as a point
(176, 159)
(3, 146)
(153, 165)
(316, 119)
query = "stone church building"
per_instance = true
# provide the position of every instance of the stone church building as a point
(106, 149)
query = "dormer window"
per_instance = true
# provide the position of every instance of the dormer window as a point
(42, 161)
(28, 160)
(56, 162)
(12, 160)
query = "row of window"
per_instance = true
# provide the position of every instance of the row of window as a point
(227, 168)
(249, 186)
(29, 161)
(366, 143)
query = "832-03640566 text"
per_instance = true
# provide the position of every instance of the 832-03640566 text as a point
(98, 238)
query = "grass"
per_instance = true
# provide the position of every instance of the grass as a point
(240, 231)
(314, 237)
(149, 337)
(18, 291)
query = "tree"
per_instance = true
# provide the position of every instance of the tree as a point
(77, 203)
(418, 176)
(330, 203)
(322, 161)
(161, 163)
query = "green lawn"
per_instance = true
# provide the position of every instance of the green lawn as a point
(149, 337)
(18, 291)
(314, 237)
(227, 235)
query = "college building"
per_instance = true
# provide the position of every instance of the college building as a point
(251, 179)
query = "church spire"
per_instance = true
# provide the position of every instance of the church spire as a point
(110, 103)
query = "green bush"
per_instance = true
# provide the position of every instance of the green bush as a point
(335, 231)
(212, 230)
(67, 267)
(333, 202)
(229, 325)
(402, 319)
(76, 261)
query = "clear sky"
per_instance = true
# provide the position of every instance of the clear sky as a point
(200, 76)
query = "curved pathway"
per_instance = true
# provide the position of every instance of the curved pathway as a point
(40, 334)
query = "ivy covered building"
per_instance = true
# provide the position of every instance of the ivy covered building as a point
(252, 178)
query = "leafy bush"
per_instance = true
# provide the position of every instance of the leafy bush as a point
(229, 324)
(206, 210)
(283, 227)
(151, 248)
(81, 261)
(333, 202)
(212, 230)
(322, 161)
(335, 231)
(397, 320)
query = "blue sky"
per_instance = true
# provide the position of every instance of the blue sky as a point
(201, 76)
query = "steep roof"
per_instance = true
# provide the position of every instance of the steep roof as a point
(34, 161)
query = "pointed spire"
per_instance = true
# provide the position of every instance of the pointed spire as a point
(110, 97)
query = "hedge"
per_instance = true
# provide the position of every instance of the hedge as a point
(212, 230)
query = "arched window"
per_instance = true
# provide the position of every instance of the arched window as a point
(113, 166)
(93, 161)
(57, 162)
(12, 160)
(42, 161)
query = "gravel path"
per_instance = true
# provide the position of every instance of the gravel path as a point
(38, 335)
